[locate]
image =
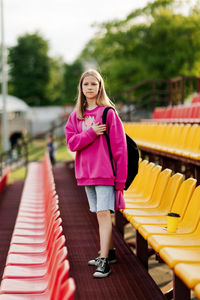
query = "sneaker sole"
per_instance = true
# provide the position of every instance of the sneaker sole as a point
(114, 261)
(92, 264)
(101, 275)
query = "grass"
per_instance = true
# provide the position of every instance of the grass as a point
(62, 154)
(17, 175)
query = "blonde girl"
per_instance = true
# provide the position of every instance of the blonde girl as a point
(85, 135)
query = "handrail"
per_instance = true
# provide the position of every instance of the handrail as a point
(157, 92)
(6, 159)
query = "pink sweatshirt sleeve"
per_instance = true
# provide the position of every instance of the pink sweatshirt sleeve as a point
(118, 147)
(75, 140)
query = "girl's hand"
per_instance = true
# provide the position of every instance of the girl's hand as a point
(99, 129)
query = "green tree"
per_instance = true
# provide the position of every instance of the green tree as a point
(154, 42)
(29, 71)
(55, 88)
(72, 73)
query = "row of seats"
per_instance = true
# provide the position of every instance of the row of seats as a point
(155, 192)
(178, 139)
(36, 266)
(178, 113)
(196, 98)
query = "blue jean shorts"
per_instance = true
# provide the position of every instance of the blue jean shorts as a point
(100, 197)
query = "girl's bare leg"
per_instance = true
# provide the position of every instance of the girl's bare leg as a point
(105, 232)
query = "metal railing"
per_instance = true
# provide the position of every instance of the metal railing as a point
(160, 92)
(21, 155)
(145, 95)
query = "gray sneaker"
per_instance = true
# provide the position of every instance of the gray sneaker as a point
(111, 258)
(103, 268)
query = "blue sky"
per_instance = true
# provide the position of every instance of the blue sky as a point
(65, 23)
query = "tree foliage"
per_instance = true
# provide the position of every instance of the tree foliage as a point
(55, 88)
(39, 79)
(72, 73)
(29, 71)
(155, 42)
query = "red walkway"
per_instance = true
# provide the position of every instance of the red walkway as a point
(129, 280)
(9, 203)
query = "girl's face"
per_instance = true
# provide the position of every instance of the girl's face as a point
(90, 87)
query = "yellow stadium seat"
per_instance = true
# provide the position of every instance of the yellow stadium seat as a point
(182, 139)
(180, 203)
(177, 139)
(158, 215)
(175, 255)
(188, 222)
(171, 139)
(189, 273)
(175, 240)
(144, 181)
(148, 189)
(162, 140)
(197, 290)
(187, 148)
(195, 153)
(159, 187)
(138, 178)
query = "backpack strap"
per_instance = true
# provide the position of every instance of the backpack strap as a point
(105, 112)
(104, 117)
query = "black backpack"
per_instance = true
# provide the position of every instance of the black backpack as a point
(133, 154)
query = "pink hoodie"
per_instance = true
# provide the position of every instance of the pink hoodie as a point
(92, 163)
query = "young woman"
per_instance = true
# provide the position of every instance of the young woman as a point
(93, 169)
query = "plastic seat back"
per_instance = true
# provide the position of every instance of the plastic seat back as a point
(193, 113)
(198, 112)
(160, 186)
(178, 133)
(158, 112)
(183, 137)
(189, 112)
(61, 276)
(137, 178)
(151, 180)
(55, 248)
(190, 137)
(192, 214)
(168, 112)
(144, 177)
(196, 140)
(170, 191)
(197, 290)
(179, 111)
(159, 134)
(185, 112)
(174, 112)
(68, 290)
(171, 137)
(166, 130)
(183, 197)
(59, 258)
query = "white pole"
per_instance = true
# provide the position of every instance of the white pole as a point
(5, 143)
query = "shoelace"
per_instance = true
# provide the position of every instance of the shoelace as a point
(101, 262)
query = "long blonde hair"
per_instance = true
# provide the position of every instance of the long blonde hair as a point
(102, 98)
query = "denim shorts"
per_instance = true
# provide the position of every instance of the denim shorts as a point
(100, 197)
